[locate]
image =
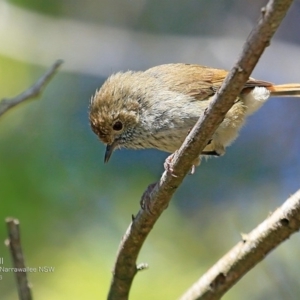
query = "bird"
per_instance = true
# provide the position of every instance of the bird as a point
(158, 107)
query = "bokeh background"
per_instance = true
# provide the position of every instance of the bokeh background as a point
(74, 209)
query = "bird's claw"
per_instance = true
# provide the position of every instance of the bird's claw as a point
(168, 164)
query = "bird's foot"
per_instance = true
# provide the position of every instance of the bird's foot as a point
(168, 164)
(196, 163)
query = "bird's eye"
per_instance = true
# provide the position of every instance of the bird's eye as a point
(118, 126)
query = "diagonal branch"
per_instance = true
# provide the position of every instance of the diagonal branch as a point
(248, 253)
(33, 92)
(159, 195)
(14, 244)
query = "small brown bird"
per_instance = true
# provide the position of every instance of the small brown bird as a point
(158, 107)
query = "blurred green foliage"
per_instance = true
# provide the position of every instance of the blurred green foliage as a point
(74, 209)
(53, 7)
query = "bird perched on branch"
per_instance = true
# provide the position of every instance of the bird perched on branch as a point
(158, 107)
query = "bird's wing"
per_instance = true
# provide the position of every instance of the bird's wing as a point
(197, 81)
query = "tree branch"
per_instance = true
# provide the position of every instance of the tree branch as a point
(159, 195)
(14, 244)
(33, 92)
(248, 253)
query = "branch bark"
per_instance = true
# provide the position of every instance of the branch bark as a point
(33, 92)
(14, 244)
(248, 253)
(159, 194)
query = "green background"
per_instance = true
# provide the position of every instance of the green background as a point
(73, 209)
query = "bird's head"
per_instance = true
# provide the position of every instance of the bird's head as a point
(114, 113)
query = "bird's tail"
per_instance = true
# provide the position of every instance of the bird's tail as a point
(285, 90)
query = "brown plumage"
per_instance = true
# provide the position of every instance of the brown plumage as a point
(158, 107)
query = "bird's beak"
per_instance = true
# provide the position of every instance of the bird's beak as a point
(109, 150)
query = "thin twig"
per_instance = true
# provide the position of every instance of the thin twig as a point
(14, 244)
(159, 196)
(32, 92)
(248, 253)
